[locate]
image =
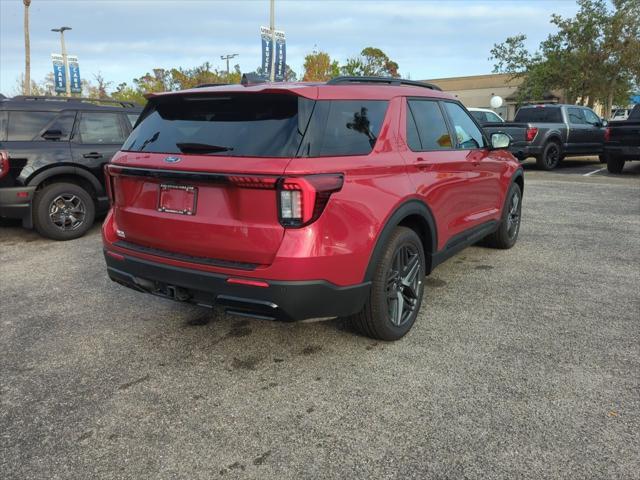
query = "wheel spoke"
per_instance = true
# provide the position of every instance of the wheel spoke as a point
(411, 270)
(399, 309)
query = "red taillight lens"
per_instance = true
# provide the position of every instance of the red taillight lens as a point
(4, 163)
(301, 200)
(607, 134)
(531, 133)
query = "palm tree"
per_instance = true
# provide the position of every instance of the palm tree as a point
(27, 50)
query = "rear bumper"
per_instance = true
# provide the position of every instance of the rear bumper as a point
(523, 151)
(280, 300)
(623, 152)
(15, 202)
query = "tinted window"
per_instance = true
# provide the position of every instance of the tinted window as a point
(64, 123)
(101, 128)
(539, 115)
(431, 127)
(4, 116)
(253, 125)
(591, 117)
(468, 134)
(25, 126)
(343, 127)
(575, 116)
(132, 117)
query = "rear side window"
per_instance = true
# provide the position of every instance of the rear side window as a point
(26, 126)
(4, 116)
(576, 117)
(467, 132)
(431, 130)
(539, 115)
(253, 125)
(132, 117)
(343, 127)
(101, 128)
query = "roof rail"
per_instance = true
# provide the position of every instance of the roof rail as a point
(384, 80)
(204, 85)
(52, 98)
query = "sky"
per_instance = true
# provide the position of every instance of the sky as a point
(124, 39)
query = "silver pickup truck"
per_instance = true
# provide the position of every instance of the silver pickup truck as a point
(552, 132)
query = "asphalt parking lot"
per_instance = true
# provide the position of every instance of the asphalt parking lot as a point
(523, 364)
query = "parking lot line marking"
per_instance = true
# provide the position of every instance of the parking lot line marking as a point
(595, 171)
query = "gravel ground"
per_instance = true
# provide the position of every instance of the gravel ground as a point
(523, 364)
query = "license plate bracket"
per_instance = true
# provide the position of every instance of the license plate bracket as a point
(180, 199)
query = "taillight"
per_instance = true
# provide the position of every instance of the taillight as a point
(4, 163)
(301, 200)
(607, 134)
(108, 183)
(531, 133)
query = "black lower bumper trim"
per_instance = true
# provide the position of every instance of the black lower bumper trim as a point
(286, 301)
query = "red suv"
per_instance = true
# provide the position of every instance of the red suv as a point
(297, 200)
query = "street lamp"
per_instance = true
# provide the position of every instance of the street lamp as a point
(64, 57)
(227, 57)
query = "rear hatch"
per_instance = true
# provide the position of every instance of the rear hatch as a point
(196, 180)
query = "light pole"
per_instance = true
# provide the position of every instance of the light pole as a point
(272, 25)
(227, 57)
(64, 57)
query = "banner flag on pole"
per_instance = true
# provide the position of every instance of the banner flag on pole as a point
(280, 52)
(59, 75)
(74, 74)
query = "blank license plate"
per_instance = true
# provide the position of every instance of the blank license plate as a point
(180, 199)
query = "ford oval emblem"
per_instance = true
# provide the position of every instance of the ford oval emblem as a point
(172, 159)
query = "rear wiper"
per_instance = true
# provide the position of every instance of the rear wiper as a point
(202, 148)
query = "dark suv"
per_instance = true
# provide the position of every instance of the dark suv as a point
(52, 152)
(293, 201)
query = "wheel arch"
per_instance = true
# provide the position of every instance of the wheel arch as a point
(413, 214)
(70, 174)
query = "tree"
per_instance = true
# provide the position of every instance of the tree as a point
(27, 49)
(372, 62)
(593, 57)
(318, 67)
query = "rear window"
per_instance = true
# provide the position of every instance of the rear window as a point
(252, 125)
(258, 125)
(539, 115)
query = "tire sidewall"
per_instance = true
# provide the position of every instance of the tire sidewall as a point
(384, 327)
(551, 145)
(42, 220)
(504, 226)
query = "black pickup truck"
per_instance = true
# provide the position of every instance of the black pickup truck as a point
(552, 132)
(622, 141)
(52, 151)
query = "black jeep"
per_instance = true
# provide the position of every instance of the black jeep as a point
(52, 151)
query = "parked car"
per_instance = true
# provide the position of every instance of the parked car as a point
(552, 132)
(295, 201)
(52, 153)
(485, 115)
(620, 114)
(622, 141)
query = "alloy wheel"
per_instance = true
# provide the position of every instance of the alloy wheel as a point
(404, 282)
(513, 216)
(67, 211)
(553, 155)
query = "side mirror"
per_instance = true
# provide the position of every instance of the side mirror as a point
(52, 135)
(605, 123)
(500, 140)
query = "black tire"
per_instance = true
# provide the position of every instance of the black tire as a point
(550, 157)
(615, 165)
(602, 157)
(392, 287)
(63, 211)
(507, 233)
